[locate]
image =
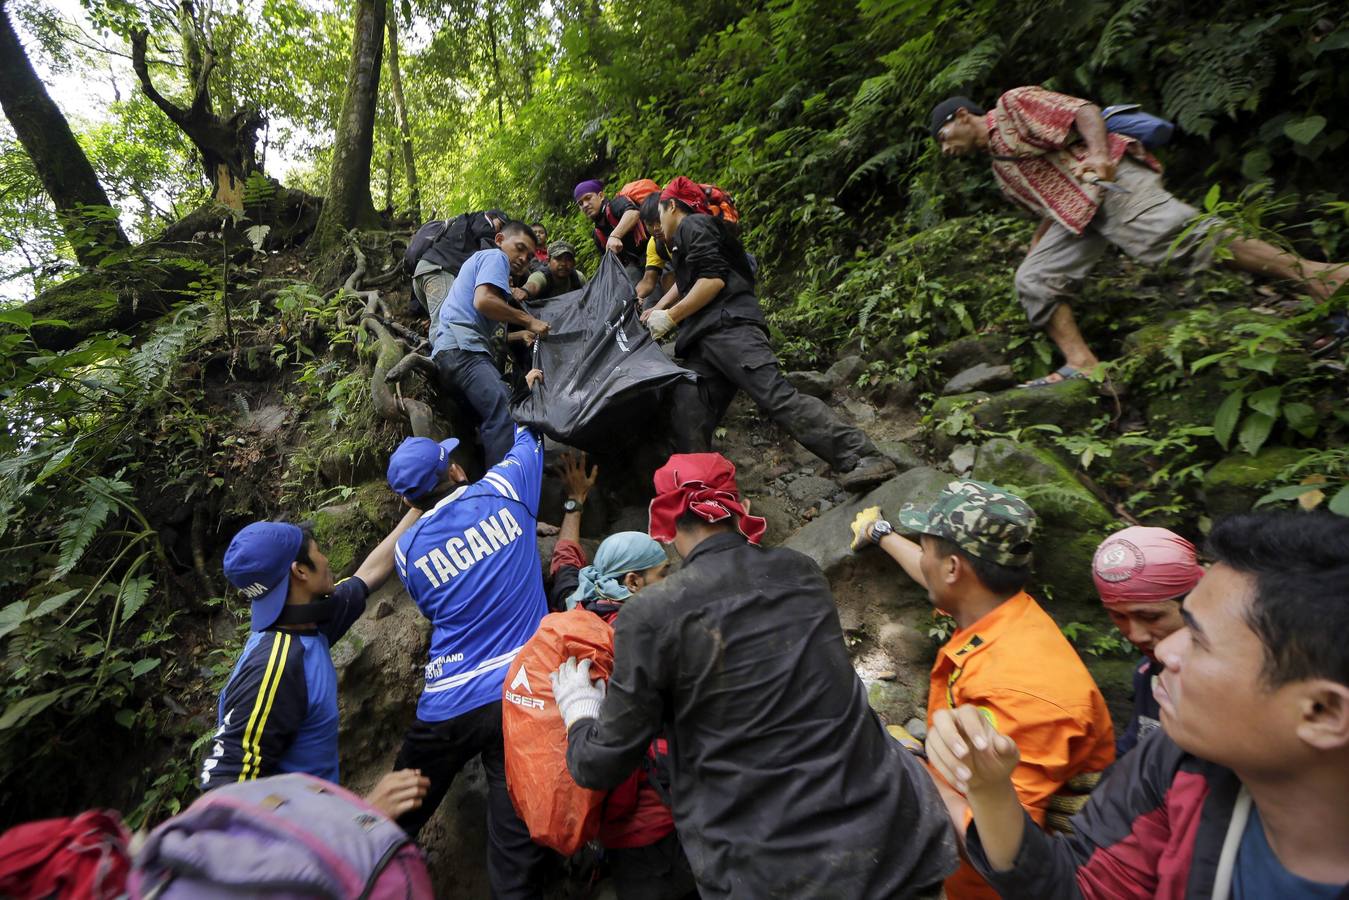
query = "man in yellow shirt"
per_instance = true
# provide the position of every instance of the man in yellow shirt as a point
(1007, 656)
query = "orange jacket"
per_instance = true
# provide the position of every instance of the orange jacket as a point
(1019, 669)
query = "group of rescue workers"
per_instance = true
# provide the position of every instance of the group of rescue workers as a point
(727, 748)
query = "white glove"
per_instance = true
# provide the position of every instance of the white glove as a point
(576, 697)
(660, 323)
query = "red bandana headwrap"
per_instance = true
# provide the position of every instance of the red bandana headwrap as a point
(1145, 565)
(688, 192)
(703, 484)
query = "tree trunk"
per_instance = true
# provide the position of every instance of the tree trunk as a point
(401, 113)
(228, 146)
(88, 219)
(496, 62)
(348, 204)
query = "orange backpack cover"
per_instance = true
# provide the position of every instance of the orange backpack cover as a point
(558, 812)
(639, 190)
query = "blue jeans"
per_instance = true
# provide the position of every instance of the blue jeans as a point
(475, 376)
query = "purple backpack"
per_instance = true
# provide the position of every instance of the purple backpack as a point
(285, 836)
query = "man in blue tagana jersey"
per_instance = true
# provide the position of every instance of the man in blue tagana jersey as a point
(471, 564)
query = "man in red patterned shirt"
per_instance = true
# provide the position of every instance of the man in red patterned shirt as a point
(1051, 153)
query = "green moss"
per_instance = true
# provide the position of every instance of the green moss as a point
(1070, 523)
(1069, 405)
(1047, 484)
(1235, 483)
(347, 531)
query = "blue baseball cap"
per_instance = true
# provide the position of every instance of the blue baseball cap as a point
(258, 564)
(416, 466)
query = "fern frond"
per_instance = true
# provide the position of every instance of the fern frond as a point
(969, 68)
(1122, 28)
(95, 502)
(1223, 72)
(884, 164)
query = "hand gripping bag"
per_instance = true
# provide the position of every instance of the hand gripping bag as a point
(287, 836)
(559, 813)
(602, 372)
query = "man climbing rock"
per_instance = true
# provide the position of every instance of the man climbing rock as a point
(1142, 575)
(278, 711)
(1242, 792)
(618, 226)
(1053, 155)
(723, 338)
(480, 299)
(471, 564)
(785, 782)
(1007, 657)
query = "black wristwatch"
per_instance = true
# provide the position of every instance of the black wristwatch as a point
(571, 505)
(879, 529)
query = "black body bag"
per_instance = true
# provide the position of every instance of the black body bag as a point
(602, 373)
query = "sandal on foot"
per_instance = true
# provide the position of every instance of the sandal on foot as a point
(1065, 373)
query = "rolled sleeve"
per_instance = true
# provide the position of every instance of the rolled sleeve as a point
(701, 245)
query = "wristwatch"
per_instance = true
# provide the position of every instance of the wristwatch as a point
(571, 505)
(879, 529)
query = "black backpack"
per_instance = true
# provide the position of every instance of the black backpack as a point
(450, 242)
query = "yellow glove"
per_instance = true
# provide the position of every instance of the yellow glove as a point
(861, 527)
(901, 734)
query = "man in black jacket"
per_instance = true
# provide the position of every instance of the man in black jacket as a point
(785, 784)
(723, 338)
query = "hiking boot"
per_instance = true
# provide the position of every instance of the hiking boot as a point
(869, 472)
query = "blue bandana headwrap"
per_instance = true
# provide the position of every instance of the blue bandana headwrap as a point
(619, 554)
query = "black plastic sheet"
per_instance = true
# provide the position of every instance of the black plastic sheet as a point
(602, 372)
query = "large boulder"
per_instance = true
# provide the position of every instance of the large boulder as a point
(1235, 483)
(1070, 405)
(1070, 523)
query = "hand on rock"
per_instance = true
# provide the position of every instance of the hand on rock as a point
(399, 792)
(861, 527)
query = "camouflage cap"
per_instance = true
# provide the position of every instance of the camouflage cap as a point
(980, 518)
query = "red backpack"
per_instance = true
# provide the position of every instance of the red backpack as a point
(558, 812)
(720, 204)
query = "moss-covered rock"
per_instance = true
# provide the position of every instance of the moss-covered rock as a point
(1071, 523)
(1069, 405)
(1235, 483)
(347, 531)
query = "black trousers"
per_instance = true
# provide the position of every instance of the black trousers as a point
(515, 864)
(657, 871)
(476, 377)
(739, 358)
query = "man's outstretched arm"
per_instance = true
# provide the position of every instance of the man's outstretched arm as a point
(378, 566)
